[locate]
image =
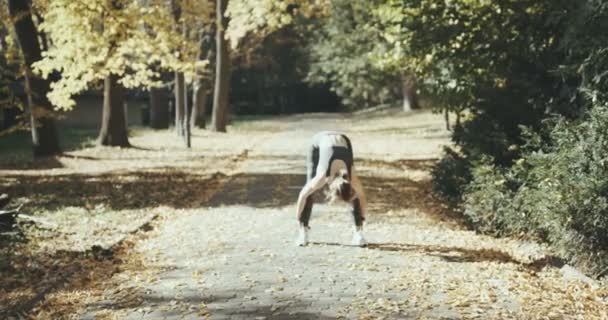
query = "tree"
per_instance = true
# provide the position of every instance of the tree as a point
(113, 123)
(159, 105)
(245, 23)
(181, 96)
(189, 26)
(44, 132)
(113, 130)
(10, 106)
(201, 83)
(179, 89)
(409, 89)
(341, 53)
(531, 153)
(199, 104)
(222, 71)
(134, 41)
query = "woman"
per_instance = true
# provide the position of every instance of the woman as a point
(330, 161)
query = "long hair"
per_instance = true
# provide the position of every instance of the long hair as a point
(340, 188)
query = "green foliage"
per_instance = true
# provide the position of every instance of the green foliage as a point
(340, 55)
(473, 55)
(558, 194)
(449, 175)
(269, 79)
(498, 61)
(472, 52)
(532, 75)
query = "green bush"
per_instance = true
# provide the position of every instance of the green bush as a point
(559, 194)
(550, 180)
(482, 139)
(450, 174)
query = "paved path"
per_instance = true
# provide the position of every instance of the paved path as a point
(235, 258)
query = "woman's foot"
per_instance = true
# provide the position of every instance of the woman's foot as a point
(302, 239)
(358, 239)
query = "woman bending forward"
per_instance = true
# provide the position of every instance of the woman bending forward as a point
(330, 161)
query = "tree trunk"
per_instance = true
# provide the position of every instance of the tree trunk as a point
(410, 97)
(222, 72)
(187, 102)
(44, 132)
(159, 103)
(159, 108)
(180, 89)
(113, 123)
(180, 104)
(199, 105)
(186, 121)
(200, 86)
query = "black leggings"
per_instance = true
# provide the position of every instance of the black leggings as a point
(327, 156)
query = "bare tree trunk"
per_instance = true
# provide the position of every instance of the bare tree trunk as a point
(186, 121)
(447, 119)
(181, 92)
(410, 96)
(159, 103)
(44, 132)
(187, 104)
(222, 73)
(159, 108)
(113, 123)
(200, 86)
(11, 114)
(180, 103)
(199, 105)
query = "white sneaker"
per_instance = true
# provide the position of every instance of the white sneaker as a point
(358, 239)
(302, 239)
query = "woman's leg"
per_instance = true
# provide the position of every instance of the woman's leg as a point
(358, 239)
(357, 210)
(312, 160)
(357, 214)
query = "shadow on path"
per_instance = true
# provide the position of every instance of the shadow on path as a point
(118, 190)
(455, 254)
(220, 304)
(179, 188)
(259, 190)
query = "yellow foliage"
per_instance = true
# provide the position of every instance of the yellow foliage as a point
(91, 39)
(263, 17)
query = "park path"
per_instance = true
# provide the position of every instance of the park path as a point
(234, 257)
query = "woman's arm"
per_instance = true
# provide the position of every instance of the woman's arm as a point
(313, 185)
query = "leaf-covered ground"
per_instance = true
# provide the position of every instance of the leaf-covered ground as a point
(161, 232)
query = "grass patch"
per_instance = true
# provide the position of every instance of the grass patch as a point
(17, 147)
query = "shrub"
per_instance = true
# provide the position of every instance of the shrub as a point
(450, 174)
(559, 194)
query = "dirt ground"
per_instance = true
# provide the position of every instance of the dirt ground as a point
(162, 232)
